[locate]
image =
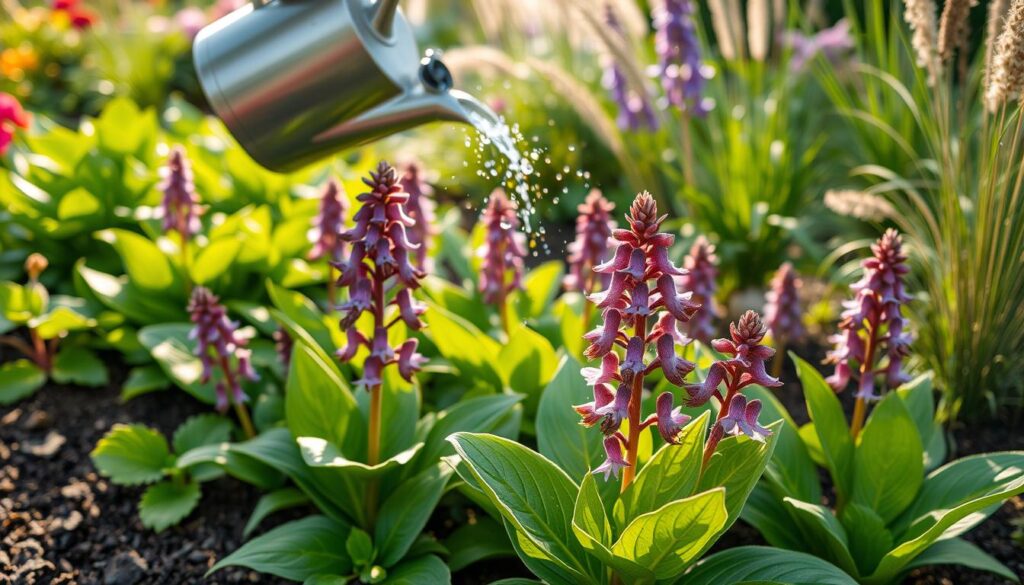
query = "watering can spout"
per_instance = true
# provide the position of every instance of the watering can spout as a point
(384, 13)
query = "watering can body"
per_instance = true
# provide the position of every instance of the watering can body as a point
(298, 80)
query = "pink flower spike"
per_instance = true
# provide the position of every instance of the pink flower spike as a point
(700, 280)
(409, 309)
(591, 411)
(614, 461)
(603, 337)
(327, 225)
(782, 311)
(633, 365)
(180, 204)
(420, 208)
(593, 229)
(674, 367)
(678, 305)
(608, 372)
(617, 411)
(503, 250)
(355, 339)
(409, 362)
(618, 262)
(670, 420)
(742, 419)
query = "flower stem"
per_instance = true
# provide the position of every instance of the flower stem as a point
(243, 417)
(503, 314)
(716, 431)
(373, 454)
(780, 359)
(860, 409)
(332, 289)
(42, 356)
(635, 402)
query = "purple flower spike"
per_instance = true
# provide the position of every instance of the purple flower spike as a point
(593, 230)
(614, 461)
(421, 209)
(503, 250)
(782, 311)
(378, 267)
(220, 347)
(635, 111)
(327, 225)
(670, 420)
(592, 411)
(679, 58)
(700, 280)
(742, 419)
(180, 205)
(608, 372)
(283, 344)
(674, 367)
(832, 43)
(874, 319)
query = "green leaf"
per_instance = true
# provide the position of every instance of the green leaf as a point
(215, 259)
(199, 430)
(667, 540)
(460, 342)
(271, 502)
(539, 288)
(527, 363)
(954, 551)
(759, 563)
(737, 464)
(594, 532)
(59, 322)
(77, 365)
(791, 468)
(359, 547)
(297, 550)
(300, 316)
(143, 380)
(175, 353)
(166, 503)
(670, 475)
(19, 379)
(405, 513)
(917, 397)
(146, 265)
(560, 437)
(867, 536)
(123, 297)
(531, 493)
(479, 415)
(78, 203)
(428, 570)
(823, 535)
(888, 469)
(471, 543)
(132, 455)
(766, 512)
(830, 425)
(318, 403)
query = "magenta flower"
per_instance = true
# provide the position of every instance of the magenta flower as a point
(502, 253)
(782, 311)
(629, 307)
(832, 43)
(221, 347)
(180, 204)
(283, 344)
(679, 58)
(327, 225)
(873, 323)
(421, 209)
(12, 117)
(635, 111)
(742, 419)
(377, 274)
(700, 280)
(593, 229)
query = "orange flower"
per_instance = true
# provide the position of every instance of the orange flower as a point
(15, 62)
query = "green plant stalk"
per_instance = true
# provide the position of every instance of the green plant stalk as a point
(373, 428)
(240, 410)
(42, 356)
(716, 430)
(860, 409)
(635, 402)
(780, 359)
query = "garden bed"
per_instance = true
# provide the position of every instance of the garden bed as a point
(62, 523)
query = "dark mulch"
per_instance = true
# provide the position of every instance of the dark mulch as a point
(62, 523)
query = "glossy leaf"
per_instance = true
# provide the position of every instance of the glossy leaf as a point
(428, 570)
(479, 415)
(829, 424)
(888, 469)
(560, 437)
(132, 455)
(867, 535)
(955, 551)
(271, 502)
(763, 564)
(823, 534)
(199, 430)
(479, 541)
(318, 402)
(175, 352)
(167, 503)
(460, 342)
(146, 265)
(18, 379)
(297, 550)
(405, 512)
(737, 465)
(78, 365)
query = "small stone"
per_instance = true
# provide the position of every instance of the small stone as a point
(48, 447)
(38, 420)
(127, 568)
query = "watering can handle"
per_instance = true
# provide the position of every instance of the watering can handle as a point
(383, 18)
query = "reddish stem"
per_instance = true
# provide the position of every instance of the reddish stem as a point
(860, 408)
(635, 402)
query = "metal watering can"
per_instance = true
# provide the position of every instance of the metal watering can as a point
(298, 80)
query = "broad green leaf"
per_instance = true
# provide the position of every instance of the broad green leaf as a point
(540, 287)
(531, 493)
(560, 437)
(760, 563)
(737, 465)
(868, 537)
(78, 365)
(271, 502)
(318, 402)
(480, 541)
(791, 467)
(299, 311)
(120, 295)
(122, 128)
(199, 430)
(460, 342)
(317, 452)
(955, 551)
(166, 503)
(18, 379)
(571, 327)
(132, 455)
(823, 535)
(548, 569)
(78, 203)
(925, 534)
(406, 511)
(297, 550)
(457, 301)
(199, 460)
(146, 265)
(359, 547)
(670, 475)
(428, 570)
(766, 512)
(215, 260)
(478, 415)
(830, 425)
(594, 532)
(527, 362)
(175, 352)
(917, 397)
(59, 322)
(667, 540)
(143, 380)
(888, 469)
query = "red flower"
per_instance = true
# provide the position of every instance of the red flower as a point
(12, 117)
